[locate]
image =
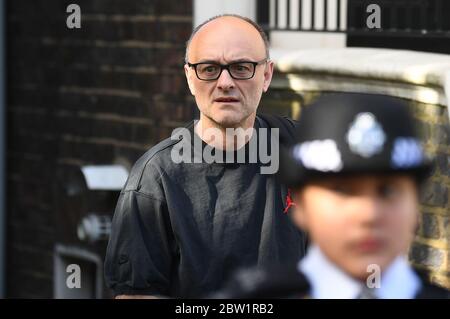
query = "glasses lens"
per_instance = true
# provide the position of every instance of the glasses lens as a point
(207, 71)
(242, 70)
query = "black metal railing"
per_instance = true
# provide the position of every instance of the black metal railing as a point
(418, 18)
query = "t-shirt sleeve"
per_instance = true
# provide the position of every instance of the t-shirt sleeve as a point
(141, 250)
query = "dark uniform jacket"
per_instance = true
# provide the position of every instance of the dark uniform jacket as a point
(289, 283)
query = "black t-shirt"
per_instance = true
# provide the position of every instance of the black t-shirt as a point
(181, 230)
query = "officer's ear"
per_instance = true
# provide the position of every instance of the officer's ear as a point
(299, 217)
(189, 72)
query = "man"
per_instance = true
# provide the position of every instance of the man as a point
(355, 172)
(181, 227)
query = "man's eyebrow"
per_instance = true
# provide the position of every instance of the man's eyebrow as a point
(232, 61)
(242, 60)
(208, 61)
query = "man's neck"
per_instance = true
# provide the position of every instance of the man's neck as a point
(225, 138)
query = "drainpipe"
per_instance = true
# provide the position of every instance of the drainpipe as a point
(2, 149)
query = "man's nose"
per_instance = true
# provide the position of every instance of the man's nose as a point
(225, 81)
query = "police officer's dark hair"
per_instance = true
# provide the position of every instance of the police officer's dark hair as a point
(253, 23)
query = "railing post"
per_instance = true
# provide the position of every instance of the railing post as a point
(438, 15)
(276, 14)
(423, 16)
(300, 14)
(262, 13)
(393, 12)
(288, 9)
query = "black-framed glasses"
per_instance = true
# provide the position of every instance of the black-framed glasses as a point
(210, 71)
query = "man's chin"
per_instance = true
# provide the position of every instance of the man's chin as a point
(229, 119)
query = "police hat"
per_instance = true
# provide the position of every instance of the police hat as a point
(353, 133)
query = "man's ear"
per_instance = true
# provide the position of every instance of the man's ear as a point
(189, 78)
(268, 72)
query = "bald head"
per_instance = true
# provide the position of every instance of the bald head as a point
(229, 26)
(223, 42)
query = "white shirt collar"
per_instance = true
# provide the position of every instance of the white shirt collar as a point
(398, 281)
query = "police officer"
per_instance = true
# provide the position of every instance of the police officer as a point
(354, 173)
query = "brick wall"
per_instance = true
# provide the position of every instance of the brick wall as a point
(101, 94)
(431, 249)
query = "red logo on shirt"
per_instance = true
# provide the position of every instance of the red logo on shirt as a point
(289, 202)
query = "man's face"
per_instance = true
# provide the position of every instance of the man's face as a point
(361, 220)
(226, 101)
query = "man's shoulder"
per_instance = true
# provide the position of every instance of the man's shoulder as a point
(287, 126)
(275, 120)
(151, 162)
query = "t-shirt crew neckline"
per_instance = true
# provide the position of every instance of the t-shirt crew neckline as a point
(196, 140)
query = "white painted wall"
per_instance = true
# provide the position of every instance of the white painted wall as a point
(306, 40)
